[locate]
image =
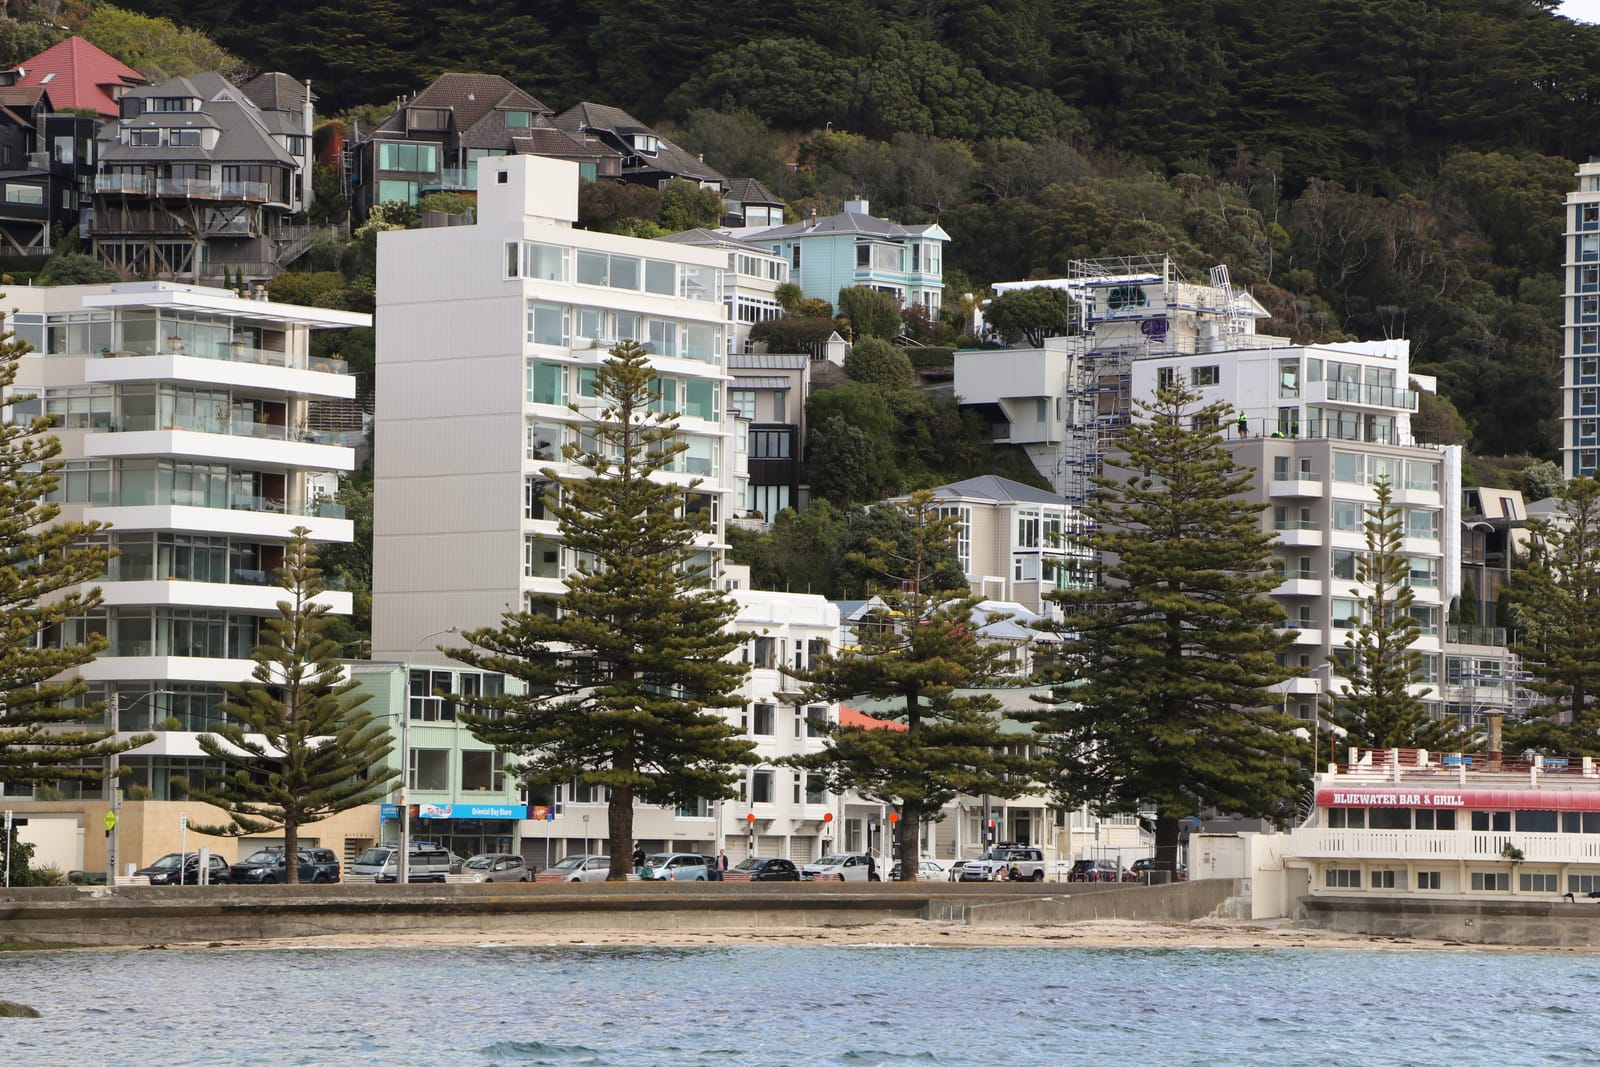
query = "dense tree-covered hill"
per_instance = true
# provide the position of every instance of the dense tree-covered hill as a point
(1369, 168)
(1354, 90)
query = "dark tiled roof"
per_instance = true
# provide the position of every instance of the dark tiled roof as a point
(276, 91)
(549, 141)
(844, 222)
(24, 96)
(669, 158)
(246, 136)
(470, 97)
(750, 191)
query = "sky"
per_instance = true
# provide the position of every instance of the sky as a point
(1581, 10)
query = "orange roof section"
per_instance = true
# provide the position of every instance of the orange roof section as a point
(79, 75)
(850, 717)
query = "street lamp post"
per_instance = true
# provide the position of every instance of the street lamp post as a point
(113, 817)
(402, 872)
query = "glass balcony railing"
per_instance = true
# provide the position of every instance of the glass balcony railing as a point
(321, 509)
(1376, 395)
(264, 431)
(232, 351)
(198, 188)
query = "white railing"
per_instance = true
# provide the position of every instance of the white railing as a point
(1463, 845)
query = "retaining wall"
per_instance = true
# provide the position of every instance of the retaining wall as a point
(1534, 924)
(1178, 902)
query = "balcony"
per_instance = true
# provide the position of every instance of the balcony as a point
(1296, 485)
(252, 517)
(1299, 583)
(1475, 635)
(229, 351)
(1443, 846)
(185, 188)
(1298, 533)
(1368, 395)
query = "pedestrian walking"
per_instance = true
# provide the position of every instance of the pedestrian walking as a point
(722, 863)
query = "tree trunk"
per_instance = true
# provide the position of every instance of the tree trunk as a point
(291, 853)
(910, 832)
(619, 819)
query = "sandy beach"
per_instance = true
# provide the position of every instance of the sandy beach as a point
(1113, 934)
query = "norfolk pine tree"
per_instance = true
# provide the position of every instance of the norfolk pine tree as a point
(1176, 649)
(622, 678)
(916, 652)
(1556, 604)
(319, 751)
(1375, 704)
(44, 564)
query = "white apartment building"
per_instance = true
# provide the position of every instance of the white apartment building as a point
(488, 335)
(182, 415)
(1580, 375)
(1015, 542)
(750, 285)
(1322, 424)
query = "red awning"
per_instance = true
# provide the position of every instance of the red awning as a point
(1475, 799)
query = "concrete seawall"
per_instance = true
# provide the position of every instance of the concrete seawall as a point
(157, 914)
(1529, 923)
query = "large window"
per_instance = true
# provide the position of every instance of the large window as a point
(764, 721)
(600, 268)
(547, 383)
(483, 771)
(761, 787)
(415, 158)
(544, 262)
(549, 324)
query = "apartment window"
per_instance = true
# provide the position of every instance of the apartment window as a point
(430, 769)
(544, 439)
(536, 503)
(547, 383)
(765, 720)
(544, 262)
(425, 702)
(1347, 516)
(1383, 879)
(660, 277)
(700, 342)
(761, 787)
(1343, 878)
(794, 258)
(1537, 822)
(144, 138)
(1344, 564)
(1537, 883)
(24, 194)
(413, 158)
(1428, 880)
(615, 272)
(549, 324)
(1288, 378)
(483, 771)
(1422, 475)
(1491, 882)
(1346, 613)
(398, 192)
(742, 402)
(766, 653)
(1422, 524)
(1166, 377)
(1349, 467)
(816, 714)
(1491, 822)
(1424, 572)
(816, 788)
(1211, 375)
(519, 120)
(184, 138)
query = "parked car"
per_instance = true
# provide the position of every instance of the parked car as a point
(1015, 863)
(841, 867)
(267, 867)
(927, 871)
(380, 863)
(1098, 871)
(164, 871)
(761, 869)
(677, 867)
(577, 869)
(456, 862)
(496, 867)
(1143, 866)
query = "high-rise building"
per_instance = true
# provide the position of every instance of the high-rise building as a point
(489, 340)
(182, 416)
(1580, 376)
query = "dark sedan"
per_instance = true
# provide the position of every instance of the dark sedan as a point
(758, 869)
(164, 871)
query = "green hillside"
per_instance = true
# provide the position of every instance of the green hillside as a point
(1369, 167)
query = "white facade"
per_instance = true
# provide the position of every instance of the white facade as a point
(750, 286)
(182, 412)
(486, 334)
(1580, 376)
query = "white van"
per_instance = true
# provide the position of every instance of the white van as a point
(380, 864)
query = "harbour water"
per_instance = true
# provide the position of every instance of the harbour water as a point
(846, 1005)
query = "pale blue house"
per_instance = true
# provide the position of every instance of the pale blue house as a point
(853, 248)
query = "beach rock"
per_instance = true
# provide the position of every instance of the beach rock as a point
(9, 1010)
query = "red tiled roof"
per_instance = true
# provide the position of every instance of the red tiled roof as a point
(851, 717)
(83, 75)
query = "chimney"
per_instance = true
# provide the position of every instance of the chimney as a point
(856, 207)
(813, 218)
